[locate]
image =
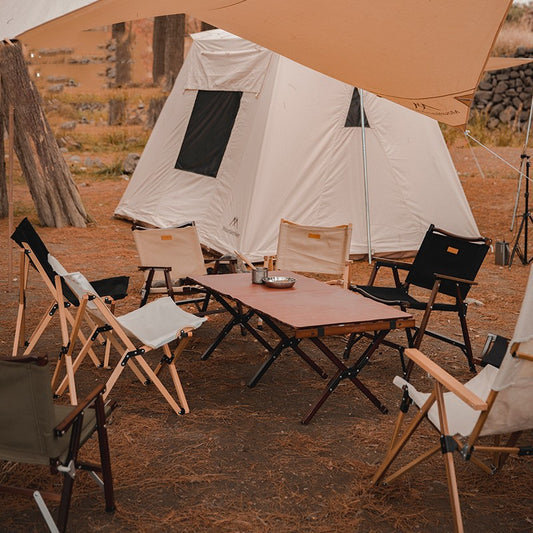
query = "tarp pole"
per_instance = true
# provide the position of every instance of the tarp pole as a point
(524, 151)
(365, 174)
(10, 199)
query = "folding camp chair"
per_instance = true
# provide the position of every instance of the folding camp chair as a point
(168, 257)
(445, 264)
(313, 249)
(495, 402)
(35, 253)
(35, 431)
(153, 326)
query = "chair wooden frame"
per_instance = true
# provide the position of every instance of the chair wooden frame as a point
(130, 354)
(448, 443)
(67, 465)
(436, 282)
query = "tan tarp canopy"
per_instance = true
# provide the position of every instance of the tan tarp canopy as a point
(426, 55)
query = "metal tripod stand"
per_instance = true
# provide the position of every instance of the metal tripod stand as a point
(526, 218)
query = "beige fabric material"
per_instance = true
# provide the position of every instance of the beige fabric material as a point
(317, 249)
(511, 410)
(427, 56)
(178, 248)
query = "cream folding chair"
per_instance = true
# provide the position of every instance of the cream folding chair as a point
(313, 249)
(496, 402)
(133, 335)
(168, 257)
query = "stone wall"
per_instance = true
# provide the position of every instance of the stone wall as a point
(505, 95)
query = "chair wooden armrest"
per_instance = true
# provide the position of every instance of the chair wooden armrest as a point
(458, 280)
(65, 424)
(446, 380)
(393, 265)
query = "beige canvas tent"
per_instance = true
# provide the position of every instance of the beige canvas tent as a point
(427, 56)
(293, 150)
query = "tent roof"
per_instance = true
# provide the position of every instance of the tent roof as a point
(425, 55)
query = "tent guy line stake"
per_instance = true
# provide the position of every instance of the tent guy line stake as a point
(365, 173)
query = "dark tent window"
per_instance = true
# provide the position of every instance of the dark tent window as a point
(353, 120)
(208, 132)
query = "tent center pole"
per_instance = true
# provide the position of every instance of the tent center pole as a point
(365, 174)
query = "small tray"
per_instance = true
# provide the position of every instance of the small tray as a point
(279, 282)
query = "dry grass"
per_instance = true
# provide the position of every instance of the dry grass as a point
(516, 32)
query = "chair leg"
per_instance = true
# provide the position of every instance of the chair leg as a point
(466, 337)
(157, 382)
(105, 460)
(402, 441)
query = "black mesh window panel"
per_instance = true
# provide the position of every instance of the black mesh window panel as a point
(353, 120)
(208, 132)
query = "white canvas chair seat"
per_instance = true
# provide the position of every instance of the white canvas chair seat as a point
(158, 322)
(461, 417)
(496, 402)
(313, 249)
(134, 334)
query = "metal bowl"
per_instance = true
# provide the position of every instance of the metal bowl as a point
(279, 282)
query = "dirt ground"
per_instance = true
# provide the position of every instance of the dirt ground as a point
(241, 461)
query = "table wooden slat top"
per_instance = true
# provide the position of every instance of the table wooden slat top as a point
(308, 304)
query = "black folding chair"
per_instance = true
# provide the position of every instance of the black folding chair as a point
(446, 264)
(35, 253)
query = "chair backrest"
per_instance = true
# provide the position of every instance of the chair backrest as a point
(451, 255)
(26, 411)
(178, 248)
(25, 234)
(317, 249)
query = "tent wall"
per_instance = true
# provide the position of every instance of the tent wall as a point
(290, 156)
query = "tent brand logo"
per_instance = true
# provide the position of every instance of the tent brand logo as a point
(313, 235)
(421, 107)
(452, 250)
(233, 228)
(166, 237)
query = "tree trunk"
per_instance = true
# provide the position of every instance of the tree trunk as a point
(174, 48)
(168, 49)
(154, 110)
(123, 38)
(117, 112)
(54, 193)
(4, 208)
(158, 48)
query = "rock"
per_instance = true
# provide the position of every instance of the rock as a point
(485, 85)
(507, 115)
(70, 125)
(93, 162)
(76, 159)
(56, 88)
(484, 96)
(492, 123)
(130, 163)
(501, 87)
